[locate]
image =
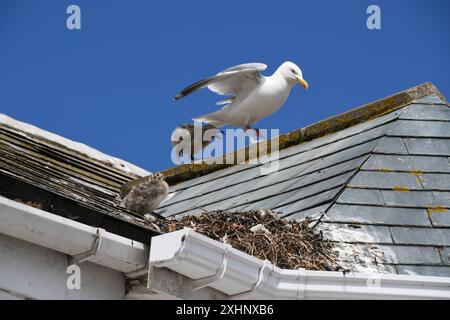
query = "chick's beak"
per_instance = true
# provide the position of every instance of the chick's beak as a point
(302, 82)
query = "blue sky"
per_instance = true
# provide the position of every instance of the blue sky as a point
(110, 85)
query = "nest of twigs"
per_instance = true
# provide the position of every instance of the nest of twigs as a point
(288, 244)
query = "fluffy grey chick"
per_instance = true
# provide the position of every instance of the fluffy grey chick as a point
(185, 132)
(143, 195)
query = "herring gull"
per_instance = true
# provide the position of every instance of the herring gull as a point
(143, 195)
(252, 95)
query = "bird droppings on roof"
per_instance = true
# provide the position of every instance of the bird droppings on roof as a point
(288, 244)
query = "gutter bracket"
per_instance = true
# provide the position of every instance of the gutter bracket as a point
(204, 282)
(83, 256)
(266, 264)
(138, 273)
(301, 290)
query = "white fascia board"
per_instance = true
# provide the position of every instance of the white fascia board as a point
(70, 237)
(242, 276)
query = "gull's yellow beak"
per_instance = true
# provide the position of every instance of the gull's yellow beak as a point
(302, 82)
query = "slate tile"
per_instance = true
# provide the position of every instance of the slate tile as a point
(432, 98)
(217, 189)
(374, 268)
(316, 188)
(300, 158)
(391, 145)
(426, 112)
(420, 199)
(312, 212)
(358, 253)
(407, 163)
(301, 148)
(378, 215)
(305, 198)
(368, 125)
(421, 236)
(361, 196)
(428, 146)
(299, 205)
(270, 184)
(281, 175)
(330, 156)
(228, 185)
(306, 146)
(239, 168)
(271, 196)
(391, 254)
(440, 216)
(350, 233)
(327, 165)
(385, 180)
(250, 191)
(411, 254)
(350, 132)
(358, 139)
(435, 181)
(300, 165)
(410, 128)
(328, 173)
(445, 255)
(358, 154)
(434, 271)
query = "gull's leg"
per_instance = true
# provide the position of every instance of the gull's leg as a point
(257, 131)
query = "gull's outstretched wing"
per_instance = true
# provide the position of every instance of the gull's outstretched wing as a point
(230, 81)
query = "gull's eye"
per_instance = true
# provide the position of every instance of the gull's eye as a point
(293, 71)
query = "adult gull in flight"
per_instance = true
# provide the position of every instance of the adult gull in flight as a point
(253, 96)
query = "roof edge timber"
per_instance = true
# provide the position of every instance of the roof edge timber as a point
(71, 148)
(316, 130)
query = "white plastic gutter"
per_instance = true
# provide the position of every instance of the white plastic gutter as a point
(241, 276)
(207, 262)
(82, 242)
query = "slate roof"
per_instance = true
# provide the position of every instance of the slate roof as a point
(380, 188)
(377, 177)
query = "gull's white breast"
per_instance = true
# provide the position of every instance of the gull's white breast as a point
(264, 100)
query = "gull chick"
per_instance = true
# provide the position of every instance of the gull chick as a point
(191, 141)
(253, 96)
(143, 195)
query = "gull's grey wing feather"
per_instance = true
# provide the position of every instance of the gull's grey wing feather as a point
(225, 101)
(231, 80)
(256, 66)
